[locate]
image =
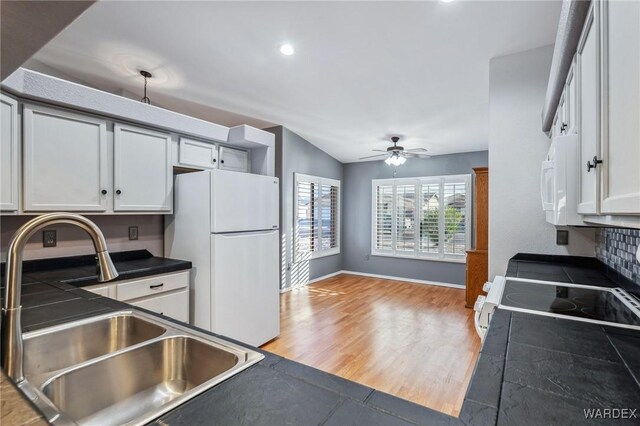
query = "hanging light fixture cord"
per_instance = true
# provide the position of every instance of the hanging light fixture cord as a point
(146, 75)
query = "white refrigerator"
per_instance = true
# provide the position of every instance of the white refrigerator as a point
(226, 224)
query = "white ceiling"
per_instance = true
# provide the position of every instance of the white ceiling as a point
(361, 70)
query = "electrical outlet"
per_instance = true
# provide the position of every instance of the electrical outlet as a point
(367, 257)
(49, 238)
(562, 238)
(133, 232)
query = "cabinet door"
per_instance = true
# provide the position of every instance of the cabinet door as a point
(620, 171)
(571, 101)
(588, 62)
(562, 114)
(143, 177)
(9, 154)
(65, 161)
(174, 305)
(198, 154)
(235, 160)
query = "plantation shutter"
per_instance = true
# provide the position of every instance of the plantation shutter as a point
(317, 216)
(455, 215)
(329, 216)
(405, 218)
(305, 231)
(384, 217)
(430, 218)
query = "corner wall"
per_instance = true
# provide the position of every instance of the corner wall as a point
(294, 154)
(517, 146)
(356, 220)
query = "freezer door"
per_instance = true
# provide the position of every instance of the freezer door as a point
(246, 296)
(243, 202)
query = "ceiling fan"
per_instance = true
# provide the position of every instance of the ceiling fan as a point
(397, 155)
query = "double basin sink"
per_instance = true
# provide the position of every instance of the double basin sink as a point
(125, 367)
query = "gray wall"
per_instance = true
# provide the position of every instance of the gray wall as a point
(296, 155)
(356, 220)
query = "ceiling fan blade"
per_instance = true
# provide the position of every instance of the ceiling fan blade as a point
(379, 150)
(414, 150)
(372, 156)
(415, 154)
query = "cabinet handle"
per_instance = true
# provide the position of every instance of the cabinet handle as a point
(104, 192)
(222, 161)
(156, 286)
(118, 192)
(594, 165)
(214, 160)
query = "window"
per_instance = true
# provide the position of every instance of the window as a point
(423, 218)
(316, 217)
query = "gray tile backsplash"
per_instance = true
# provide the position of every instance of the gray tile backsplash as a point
(617, 248)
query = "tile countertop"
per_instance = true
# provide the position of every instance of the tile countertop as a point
(531, 370)
(542, 370)
(274, 391)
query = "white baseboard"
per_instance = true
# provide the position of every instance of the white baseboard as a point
(409, 280)
(384, 277)
(324, 277)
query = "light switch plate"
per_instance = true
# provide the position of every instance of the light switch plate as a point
(562, 237)
(133, 233)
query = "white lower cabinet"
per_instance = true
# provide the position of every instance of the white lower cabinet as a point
(174, 305)
(166, 294)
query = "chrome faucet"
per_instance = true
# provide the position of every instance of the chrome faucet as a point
(12, 346)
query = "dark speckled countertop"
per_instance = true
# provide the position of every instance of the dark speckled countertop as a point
(531, 370)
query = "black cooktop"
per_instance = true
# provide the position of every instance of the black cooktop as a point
(562, 300)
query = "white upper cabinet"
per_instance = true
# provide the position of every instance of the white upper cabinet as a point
(620, 150)
(65, 161)
(194, 153)
(143, 177)
(588, 63)
(571, 102)
(9, 155)
(235, 160)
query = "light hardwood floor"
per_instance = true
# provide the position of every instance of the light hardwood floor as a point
(414, 341)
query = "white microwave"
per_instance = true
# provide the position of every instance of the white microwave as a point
(559, 184)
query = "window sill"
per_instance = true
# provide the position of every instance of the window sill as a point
(319, 254)
(462, 259)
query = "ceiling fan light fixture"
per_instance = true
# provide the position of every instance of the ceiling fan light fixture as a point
(395, 160)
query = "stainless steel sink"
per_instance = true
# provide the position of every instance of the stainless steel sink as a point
(144, 367)
(63, 346)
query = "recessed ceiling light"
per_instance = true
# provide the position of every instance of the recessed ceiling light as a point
(287, 49)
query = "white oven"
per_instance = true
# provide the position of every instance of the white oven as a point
(559, 181)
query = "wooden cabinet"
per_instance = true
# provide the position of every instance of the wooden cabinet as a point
(588, 66)
(65, 161)
(232, 159)
(9, 155)
(620, 108)
(143, 177)
(478, 257)
(194, 153)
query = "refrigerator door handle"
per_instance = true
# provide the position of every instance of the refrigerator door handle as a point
(246, 233)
